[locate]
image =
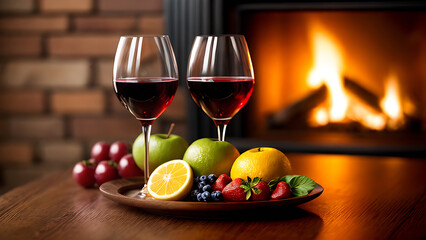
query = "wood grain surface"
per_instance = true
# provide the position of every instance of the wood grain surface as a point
(364, 198)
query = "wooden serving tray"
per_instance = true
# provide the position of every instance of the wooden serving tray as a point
(124, 191)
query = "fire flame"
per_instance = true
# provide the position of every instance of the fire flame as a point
(391, 103)
(327, 69)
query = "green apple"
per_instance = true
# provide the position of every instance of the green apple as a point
(208, 155)
(162, 148)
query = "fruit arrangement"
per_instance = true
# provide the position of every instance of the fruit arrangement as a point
(205, 171)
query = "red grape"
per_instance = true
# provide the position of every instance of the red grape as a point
(83, 173)
(106, 171)
(100, 151)
(118, 150)
(128, 168)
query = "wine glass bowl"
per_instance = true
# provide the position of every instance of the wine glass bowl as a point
(220, 77)
(145, 80)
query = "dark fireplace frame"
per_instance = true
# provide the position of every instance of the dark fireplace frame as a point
(186, 19)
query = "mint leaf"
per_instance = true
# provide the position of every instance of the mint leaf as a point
(288, 178)
(299, 192)
(300, 185)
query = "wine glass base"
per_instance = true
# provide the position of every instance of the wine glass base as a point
(143, 193)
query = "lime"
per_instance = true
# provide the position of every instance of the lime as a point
(208, 156)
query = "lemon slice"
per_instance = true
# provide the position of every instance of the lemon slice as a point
(171, 180)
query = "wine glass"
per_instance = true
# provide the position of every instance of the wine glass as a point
(220, 77)
(145, 79)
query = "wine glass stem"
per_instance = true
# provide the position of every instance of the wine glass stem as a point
(221, 129)
(146, 130)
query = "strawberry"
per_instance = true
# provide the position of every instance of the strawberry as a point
(264, 193)
(221, 182)
(281, 191)
(233, 191)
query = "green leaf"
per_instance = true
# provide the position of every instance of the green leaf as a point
(248, 179)
(245, 187)
(256, 180)
(256, 190)
(248, 195)
(288, 178)
(299, 192)
(301, 185)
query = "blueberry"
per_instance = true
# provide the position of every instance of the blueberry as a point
(212, 178)
(206, 196)
(196, 179)
(203, 178)
(207, 188)
(201, 185)
(194, 194)
(199, 197)
(217, 196)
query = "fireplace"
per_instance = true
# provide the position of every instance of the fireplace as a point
(331, 77)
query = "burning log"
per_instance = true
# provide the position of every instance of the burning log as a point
(298, 110)
(366, 96)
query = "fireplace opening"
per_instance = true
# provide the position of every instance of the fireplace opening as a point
(345, 77)
(360, 75)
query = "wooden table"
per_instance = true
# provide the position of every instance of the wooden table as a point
(364, 198)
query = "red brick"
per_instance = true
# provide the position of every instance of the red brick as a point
(34, 24)
(65, 153)
(26, 101)
(177, 110)
(88, 46)
(20, 46)
(151, 24)
(104, 70)
(130, 5)
(78, 102)
(4, 128)
(36, 127)
(66, 5)
(101, 23)
(105, 128)
(45, 74)
(8, 6)
(20, 153)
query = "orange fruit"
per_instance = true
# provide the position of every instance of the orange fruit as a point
(171, 180)
(264, 162)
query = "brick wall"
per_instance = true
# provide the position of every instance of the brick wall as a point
(56, 96)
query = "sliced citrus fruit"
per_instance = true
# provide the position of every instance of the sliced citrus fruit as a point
(171, 180)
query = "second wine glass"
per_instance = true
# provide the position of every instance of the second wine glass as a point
(220, 77)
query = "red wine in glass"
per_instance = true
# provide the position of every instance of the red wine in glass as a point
(220, 97)
(146, 98)
(220, 76)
